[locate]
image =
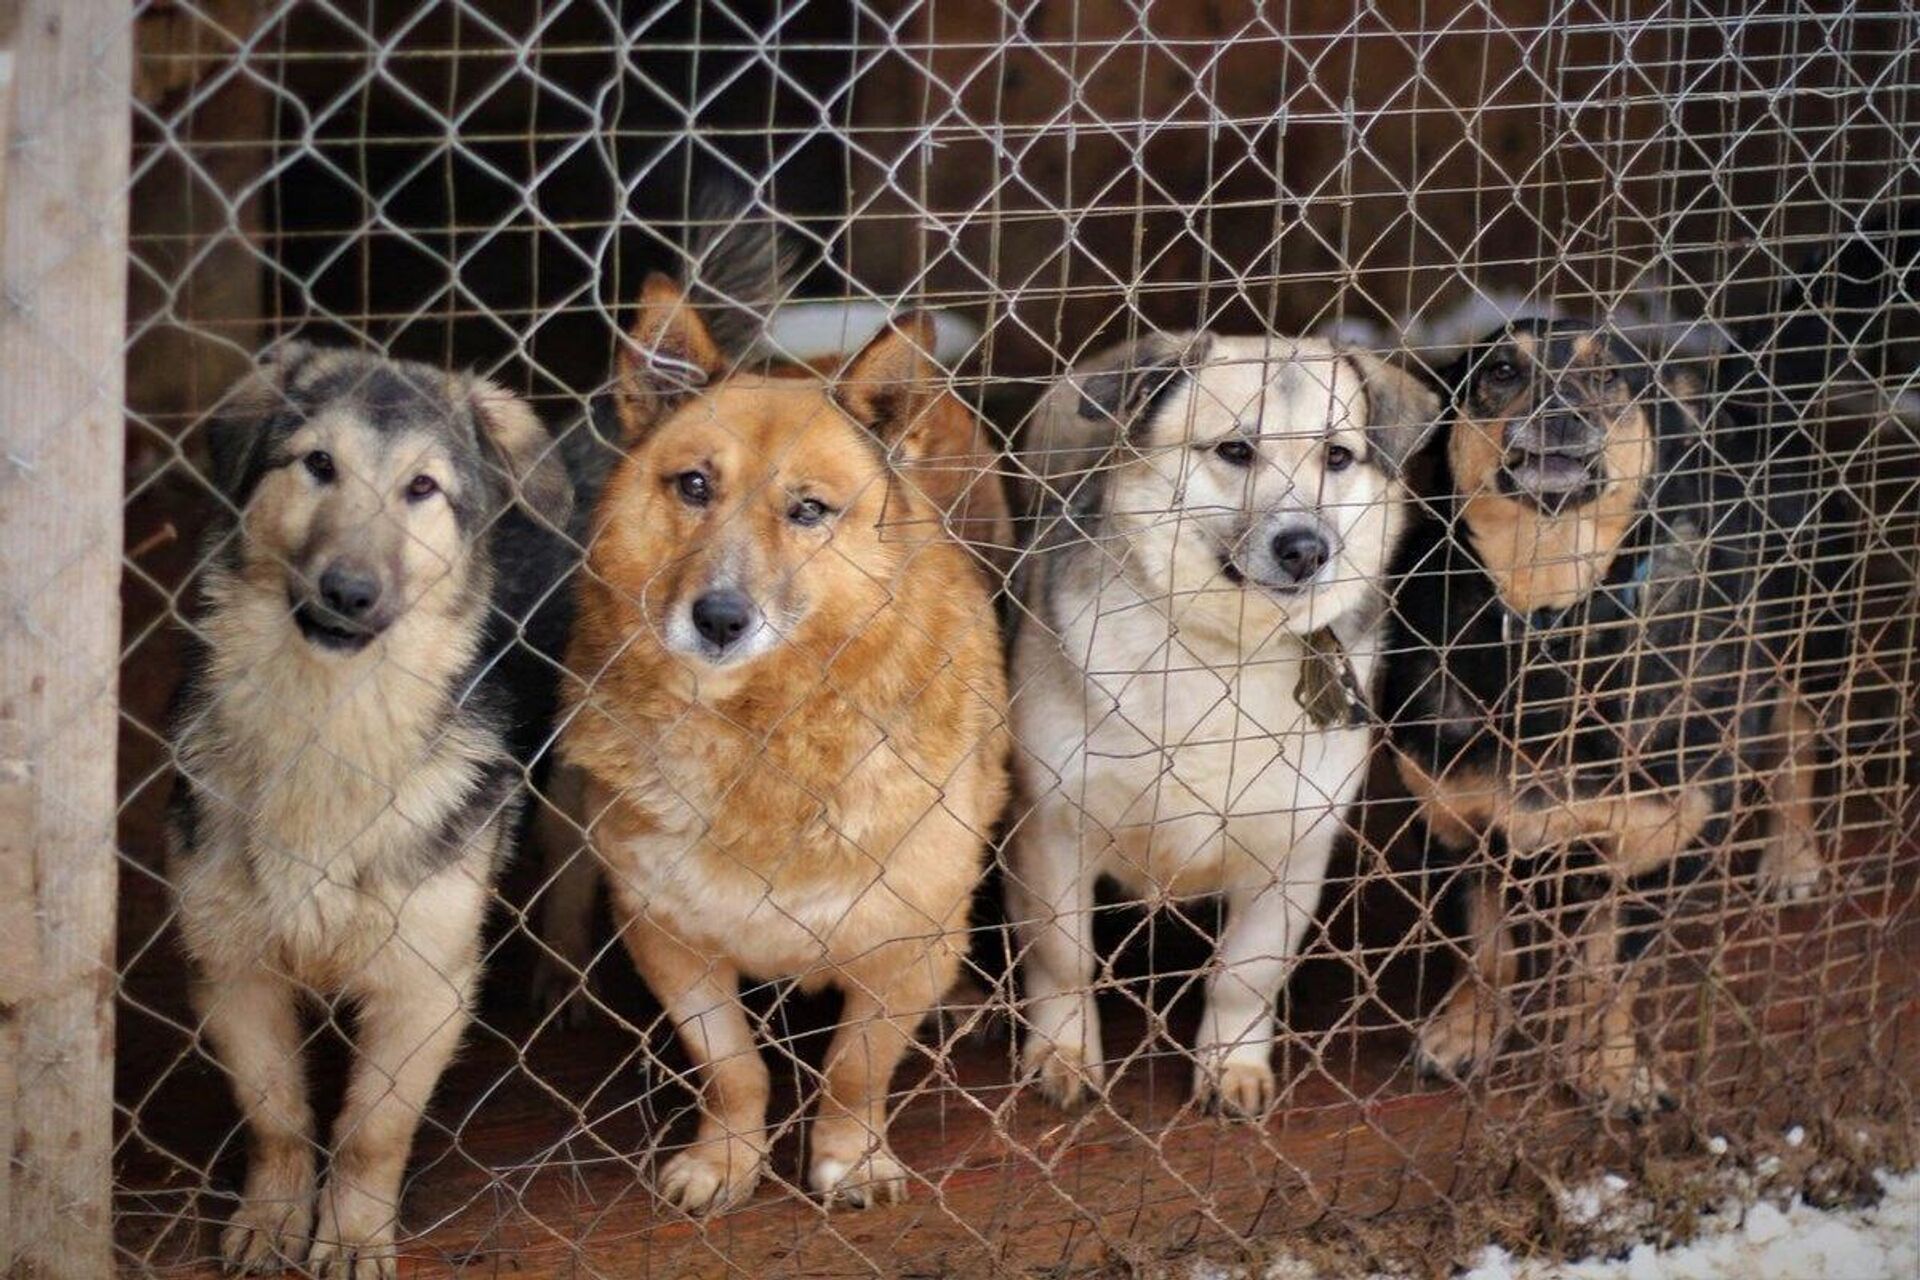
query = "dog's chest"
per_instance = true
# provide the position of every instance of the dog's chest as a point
(321, 810)
(781, 862)
(1208, 771)
(768, 927)
(1661, 650)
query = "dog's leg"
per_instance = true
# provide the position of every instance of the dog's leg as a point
(414, 1006)
(886, 998)
(701, 994)
(1791, 865)
(1470, 1024)
(1264, 928)
(253, 1019)
(570, 873)
(1641, 833)
(1604, 1055)
(1456, 807)
(1050, 890)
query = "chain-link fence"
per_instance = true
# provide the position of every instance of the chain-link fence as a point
(1333, 796)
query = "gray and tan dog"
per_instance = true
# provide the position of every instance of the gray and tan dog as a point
(1211, 577)
(349, 779)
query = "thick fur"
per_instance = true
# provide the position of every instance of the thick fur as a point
(941, 456)
(1161, 735)
(347, 792)
(815, 801)
(1602, 630)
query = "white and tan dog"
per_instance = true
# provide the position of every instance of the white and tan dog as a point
(1200, 624)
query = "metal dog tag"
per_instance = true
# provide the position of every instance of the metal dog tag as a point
(1327, 689)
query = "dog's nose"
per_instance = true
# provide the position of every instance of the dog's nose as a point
(723, 616)
(1300, 554)
(1554, 432)
(349, 590)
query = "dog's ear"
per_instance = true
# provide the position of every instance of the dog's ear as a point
(1121, 386)
(249, 416)
(1402, 407)
(668, 355)
(520, 448)
(888, 386)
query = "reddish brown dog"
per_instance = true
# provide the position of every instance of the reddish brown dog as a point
(790, 710)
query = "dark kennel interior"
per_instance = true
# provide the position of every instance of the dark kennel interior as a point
(484, 185)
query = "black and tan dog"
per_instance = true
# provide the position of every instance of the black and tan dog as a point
(352, 740)
(1604, 633)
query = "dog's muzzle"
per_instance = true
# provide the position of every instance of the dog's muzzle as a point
(1554, 457)
(343, 609)
(1292, 560)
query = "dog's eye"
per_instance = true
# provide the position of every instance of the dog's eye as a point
(694, 488)
(1502, 372)
(319, 465)
(809, 511)
(1234, 452)
(422, 487)
(1339, 457)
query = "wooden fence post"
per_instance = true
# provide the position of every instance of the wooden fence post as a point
(63, 273)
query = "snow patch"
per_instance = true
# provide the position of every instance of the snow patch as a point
(1588, 1203)
(1793, 1241)
(1797, 1242)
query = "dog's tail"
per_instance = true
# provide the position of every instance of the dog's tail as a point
(740, 263)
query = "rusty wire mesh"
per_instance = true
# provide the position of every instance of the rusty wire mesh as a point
(485, 185)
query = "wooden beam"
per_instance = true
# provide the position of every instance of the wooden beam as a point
(63, 268)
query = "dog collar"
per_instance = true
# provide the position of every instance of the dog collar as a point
(1627, 593)
(1328, 690)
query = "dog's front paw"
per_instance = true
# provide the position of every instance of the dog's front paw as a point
(354, 1240)
(862, 1181)
(267, 1235)
(1630, 1087)
(712, 1176)
(1238, 1087)
(1540, 816)
(1460, 1039)
(1067, 1076)
(1791, 867)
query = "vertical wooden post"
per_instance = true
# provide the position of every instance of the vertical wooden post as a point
(63, 270)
